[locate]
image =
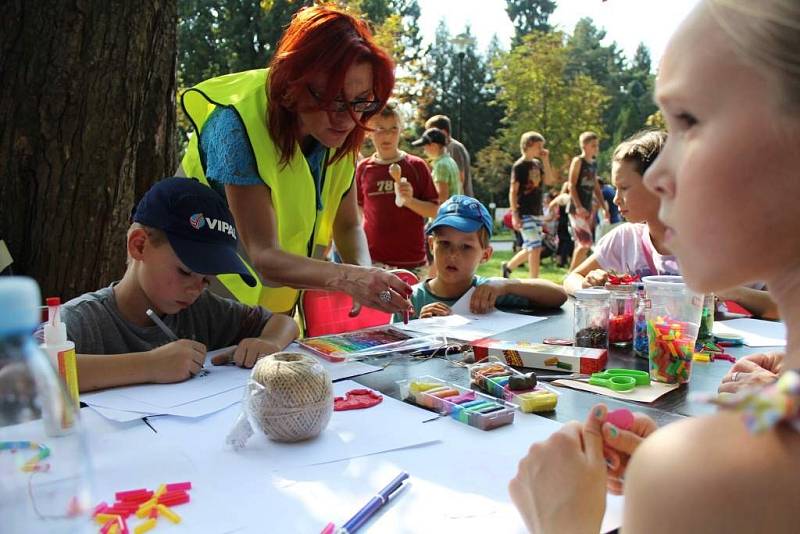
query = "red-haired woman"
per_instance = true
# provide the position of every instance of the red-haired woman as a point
(280, 145)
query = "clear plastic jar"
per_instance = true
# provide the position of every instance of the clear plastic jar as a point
(640, 347)
(622, 306)
(44, 470)
(591, 318)
(673, 319)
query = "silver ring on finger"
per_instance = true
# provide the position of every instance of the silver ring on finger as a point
(385, 296)
(735, 376)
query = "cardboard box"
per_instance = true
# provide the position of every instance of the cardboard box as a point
(541, 356)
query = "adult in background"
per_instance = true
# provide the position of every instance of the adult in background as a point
(280, 144)
(456, 150)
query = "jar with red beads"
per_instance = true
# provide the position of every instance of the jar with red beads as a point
(622, 305)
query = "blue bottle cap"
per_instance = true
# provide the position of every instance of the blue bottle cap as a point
(20, 302)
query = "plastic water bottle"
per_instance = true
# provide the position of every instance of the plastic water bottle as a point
(44, 463)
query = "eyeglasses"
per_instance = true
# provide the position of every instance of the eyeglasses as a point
(338, 105)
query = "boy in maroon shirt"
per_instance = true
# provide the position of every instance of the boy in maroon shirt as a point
(395, 233)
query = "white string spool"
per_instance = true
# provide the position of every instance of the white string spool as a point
(290, 396)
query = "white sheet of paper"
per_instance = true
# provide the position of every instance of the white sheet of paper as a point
(198, 408)
(389, 425)
(756, 332)
(217, 379)
(457, 485)
(467, 326)
(199, 396)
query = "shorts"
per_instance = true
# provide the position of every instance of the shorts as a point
(582, 229)
(531, 232)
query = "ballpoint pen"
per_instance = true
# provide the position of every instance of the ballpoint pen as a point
(159, 323)
(374, 504)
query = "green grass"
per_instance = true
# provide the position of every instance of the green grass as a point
(548, 270)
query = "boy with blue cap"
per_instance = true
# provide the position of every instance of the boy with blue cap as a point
(182, 233)
(459, 239)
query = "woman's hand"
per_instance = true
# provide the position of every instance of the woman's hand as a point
(435, 309)
(619, 445)
(560, 484)
(752, 370)
(376, 288)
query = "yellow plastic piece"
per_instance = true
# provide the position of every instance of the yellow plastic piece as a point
(168, 513)
(141, 528)
(145, 508)
(701, 357)
(536, 401)
(162, 489)
(102, 519)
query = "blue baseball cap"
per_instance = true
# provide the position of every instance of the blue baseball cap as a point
(462, 213)
(198, 225)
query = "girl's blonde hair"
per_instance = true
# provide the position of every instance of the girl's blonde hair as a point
(766, 34)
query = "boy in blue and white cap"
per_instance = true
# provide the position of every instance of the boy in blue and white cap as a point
(182, 233)
(459, 239)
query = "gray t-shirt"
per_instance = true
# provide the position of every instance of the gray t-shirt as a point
(95, 325)
(459, 153)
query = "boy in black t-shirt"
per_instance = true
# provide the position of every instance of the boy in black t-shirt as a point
(529, 175)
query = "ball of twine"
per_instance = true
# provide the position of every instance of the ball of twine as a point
(291, 396)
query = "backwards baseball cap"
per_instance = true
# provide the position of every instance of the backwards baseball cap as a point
(197, 224)
(431, 135)
(462, 213)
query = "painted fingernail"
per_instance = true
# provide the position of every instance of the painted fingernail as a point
(598, 412)
(612, 431)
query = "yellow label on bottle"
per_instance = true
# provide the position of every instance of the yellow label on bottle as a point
(68, 370)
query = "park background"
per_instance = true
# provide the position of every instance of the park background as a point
(90, 110)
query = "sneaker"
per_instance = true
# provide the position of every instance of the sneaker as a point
(505, 269)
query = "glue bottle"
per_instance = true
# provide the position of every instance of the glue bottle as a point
(60, 349)
(44, 468)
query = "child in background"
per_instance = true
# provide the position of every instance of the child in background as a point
(182, 233)
(446, 176)
(459, 238)
(566, 245)
(712, 199)
(396, 235)
(584, 187)
(637, 246)
(529, 176)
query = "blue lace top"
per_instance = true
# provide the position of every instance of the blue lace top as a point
(229, 158)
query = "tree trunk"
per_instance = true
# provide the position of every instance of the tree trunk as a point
(87, 122)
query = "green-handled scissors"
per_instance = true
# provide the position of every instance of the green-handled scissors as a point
(620, 379)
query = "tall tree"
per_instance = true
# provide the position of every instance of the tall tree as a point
(538, 96)
(529, 16)
(441, 76)
(637, 96)
(87, 117)
(398, 33)
(221, 36)
(605, 64)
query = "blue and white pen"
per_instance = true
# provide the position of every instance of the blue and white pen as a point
(369, 509)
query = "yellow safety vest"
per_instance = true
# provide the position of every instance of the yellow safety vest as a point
(302, 229)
